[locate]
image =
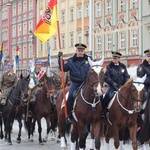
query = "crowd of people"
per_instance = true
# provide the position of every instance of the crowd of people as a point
(76, 69)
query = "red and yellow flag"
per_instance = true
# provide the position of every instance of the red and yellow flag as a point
(47, 25)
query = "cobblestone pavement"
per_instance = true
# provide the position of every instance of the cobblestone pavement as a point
(50, 145)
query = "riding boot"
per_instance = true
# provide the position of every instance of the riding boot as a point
(105, 110)
(1, 110)
(3, 102)
(69, 118)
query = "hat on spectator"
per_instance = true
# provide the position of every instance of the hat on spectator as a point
(80, 46)
(116, 54)
(52, 72)
(9, 65)
(147, 52)
(28, 69)
(38, 62)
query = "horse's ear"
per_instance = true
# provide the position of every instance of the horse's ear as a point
(90, 61)
(21, 76)
(101, 61)
(28, 77)
(144, 78)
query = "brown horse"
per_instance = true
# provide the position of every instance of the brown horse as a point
(87, 108)
(89, 101)
(123, 111)
(42, 108)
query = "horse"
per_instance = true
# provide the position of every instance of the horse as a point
(42, 108)
(123, 111)
(89, 99)
(87, 107)
(14, 106)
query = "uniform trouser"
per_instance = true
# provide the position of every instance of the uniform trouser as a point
(4, 95)
(70, 100)
(108, 96)
(34, 93)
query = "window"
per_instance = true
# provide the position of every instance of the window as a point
(71, 40)
(63, 41)
(122, 40)
(86, 10)
(79, 37)
(19, 30)
(87, 38)
(30, 25)
(55, 42)
(14, 31)
(109, 41)
(24, 28)
(14, 11)
(24, 7)
(62, 16)
(134, 38)
(41, 3)
(41, 46)
(98, 10)
(24, 52)
(109, 7)
(19, 9)
(99, 43)
(30, 51)
(122, 5)
(31, 5)
(79, 12)
(71, 15)
(134, 3)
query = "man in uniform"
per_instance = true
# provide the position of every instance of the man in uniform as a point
(144, 68)
(38, 68)
(115, 76)
(78, 66)
(7, 82)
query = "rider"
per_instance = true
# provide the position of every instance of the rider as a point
(78, 66)
(115, 76)
(8, 80)
(38, 68)
(144, 68)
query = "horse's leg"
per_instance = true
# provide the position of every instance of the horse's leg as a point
(1, 124)
(92, 144)
(97, 130)
(133, 130)
(115, 135)
(48, 128)
(9, 128)
(74, 137)
(20, 127)
(39, 130)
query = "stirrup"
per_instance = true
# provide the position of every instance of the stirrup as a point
(68, 120)
(30, 114)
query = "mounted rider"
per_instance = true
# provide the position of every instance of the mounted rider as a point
(8, 80)
(115, 76)
(36, 75)
(78, 66)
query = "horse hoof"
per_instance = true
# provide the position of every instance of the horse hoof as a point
(30, 140)
(9, 143)
(41, 143)
(44, 140)
(58, 141)
(52, 139)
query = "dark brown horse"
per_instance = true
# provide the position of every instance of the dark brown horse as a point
(42, 108)
(123, 111)
(87, 108)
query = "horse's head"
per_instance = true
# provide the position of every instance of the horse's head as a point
(95, 77)
(49, 85)
(23, 85)
(137, 89)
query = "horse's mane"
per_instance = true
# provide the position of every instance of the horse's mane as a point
(127, 82)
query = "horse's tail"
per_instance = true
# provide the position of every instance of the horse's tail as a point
(67, 128)
(124, 135)
(145, 131)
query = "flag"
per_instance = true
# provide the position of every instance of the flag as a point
(1, 52)
(17, 56)
(47, 25)
(48, 58)
(14, 68)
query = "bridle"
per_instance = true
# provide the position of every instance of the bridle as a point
(131, 100)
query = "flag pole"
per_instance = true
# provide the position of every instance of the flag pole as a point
(62, 71)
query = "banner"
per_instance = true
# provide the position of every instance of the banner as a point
(47, 25)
